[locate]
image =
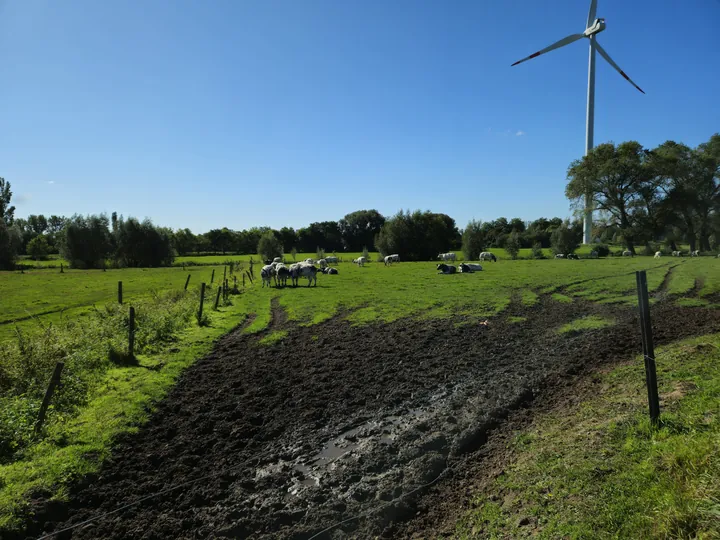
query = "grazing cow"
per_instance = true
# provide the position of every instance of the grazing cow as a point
(658, 254)
(360, 261)
(447, 257)
(695, 253)
(308, 271)
(331, 260)
(267, 273)
(573, 257)
(447, 268)
(487, 256)
(594, 254)
(389, 259)
(559, 256)
(677, 253)
(627, 253)
(469, 268)
(330, 271)
(282, 273)
(322, 263)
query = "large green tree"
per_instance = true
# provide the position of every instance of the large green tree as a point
(617, 178)
(86, 241)
(417, 236)
(358, 229)
(7, 212)
(473, 240)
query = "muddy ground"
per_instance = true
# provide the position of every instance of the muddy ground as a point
(338, 422)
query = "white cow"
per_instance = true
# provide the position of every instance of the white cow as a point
(695, 253)
(658, 254)
(360, 261)
(677, 253)
(627, 253)
(487, 256)
(267, 273)
(389, 259)
(277, 260)
(559, 256)
(310, 272)
(322, 263)
(469, 268)
(333, 260)
(447, 257)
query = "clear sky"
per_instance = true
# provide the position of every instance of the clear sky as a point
(281, 112)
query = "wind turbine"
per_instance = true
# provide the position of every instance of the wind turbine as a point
(594, 26)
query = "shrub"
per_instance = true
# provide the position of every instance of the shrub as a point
(473, 241)
(319, 253)
(269, 246)
(38, 248)
(512, 245)
(7, 252)
(366, 254)
(602, 250)
(537, 251)
(564, 240)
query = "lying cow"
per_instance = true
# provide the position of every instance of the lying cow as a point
(560, 256)
(469, 268)
(330, 271)
(331, 260)
(487, 256)
(572, 256)
(447, 268)
(628, 253)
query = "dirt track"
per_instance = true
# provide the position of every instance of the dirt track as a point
(261, 424)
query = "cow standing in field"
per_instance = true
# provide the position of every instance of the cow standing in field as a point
(447, 268)
(360, 261)
(329, 271)
(469, 268)
(282, 273)
(267, 273)
(322, 263)
(695, 253)
(487, 256)
(447, 257)
(389, 259)
(658, 254)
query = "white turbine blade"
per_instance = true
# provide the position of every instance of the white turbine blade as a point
(556, 45)
(606, 56)
(593, 12)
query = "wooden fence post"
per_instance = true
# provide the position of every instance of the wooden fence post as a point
(119, 292)
(212, 278)
(243, 280)
(202, 299)
(224, 273)
(54, 381)
(249, 277)
(648, 346)
(217, 298)
(187, 281)
(131, 334)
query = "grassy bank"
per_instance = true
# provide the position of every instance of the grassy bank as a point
(601, 471)
(102, 395)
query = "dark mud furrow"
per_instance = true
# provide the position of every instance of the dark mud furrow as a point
(663, 288)
(254, 417)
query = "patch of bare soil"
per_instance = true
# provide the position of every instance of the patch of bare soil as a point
(336, 422)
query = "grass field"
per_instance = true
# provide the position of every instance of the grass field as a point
(601, 471)
(117, 398)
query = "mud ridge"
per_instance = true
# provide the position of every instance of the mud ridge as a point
(339, 420)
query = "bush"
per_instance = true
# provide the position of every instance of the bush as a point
(38, 248)
(512, 245)
(366, 254)
(319, 253)
(269, 246)
(7, 251)
(473, 241)
(602, 250)
(537, 251)
(564, 240)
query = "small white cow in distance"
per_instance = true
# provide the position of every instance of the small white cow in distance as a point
(695, 253)
(331, 260)
(322, 263)
(469, 268)
(560, 256)
(658, 254)
(447, 257)
(389, 259)
(677, 253)
(360, 261)
(487, 256)
(309, 261)
(572, 256)
(277, 260)
(627, 253)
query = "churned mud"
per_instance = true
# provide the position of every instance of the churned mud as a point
(365, 425)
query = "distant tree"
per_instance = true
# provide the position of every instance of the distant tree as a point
(269, 246)
(184, 241)
(7, 212)
(417, 236)
(38, 248)
(288, 238)
(512, 245)
(473, 241)
(220, 239)
(86, 241)
(7, 250)
(564, 240)
(38, 224)
(143, 245)
(359, 229)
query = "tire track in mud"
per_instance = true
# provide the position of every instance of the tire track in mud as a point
(392, 403)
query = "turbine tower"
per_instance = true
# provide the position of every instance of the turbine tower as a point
(594, 26)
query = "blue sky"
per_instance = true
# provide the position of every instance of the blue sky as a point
(239, 113)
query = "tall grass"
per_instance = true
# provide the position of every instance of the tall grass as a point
(88, 347)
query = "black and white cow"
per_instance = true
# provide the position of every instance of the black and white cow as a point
(447, 268)
(487, 256)
(469, 268)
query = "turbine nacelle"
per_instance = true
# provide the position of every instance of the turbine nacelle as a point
(597, 26)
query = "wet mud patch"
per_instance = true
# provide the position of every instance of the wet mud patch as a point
(338, 421)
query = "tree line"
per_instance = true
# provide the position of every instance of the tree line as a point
(642, 197)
